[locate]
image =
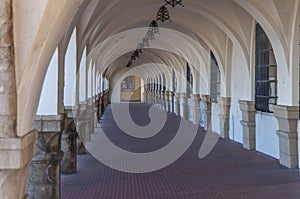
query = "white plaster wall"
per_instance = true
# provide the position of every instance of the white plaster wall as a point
(298, 127)
(48, 99)
(240, 89)
(215, 121)
(266, 138)
(70, 72)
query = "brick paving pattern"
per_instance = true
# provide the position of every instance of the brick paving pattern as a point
(228, 171)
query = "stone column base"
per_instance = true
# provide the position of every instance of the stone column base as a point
(224, 103)
(248, 124)
(207, 111)
(196, 108)
(44, 172)
(15, 156)
(287, 117)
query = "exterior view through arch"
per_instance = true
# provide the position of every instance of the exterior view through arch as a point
(131, 89)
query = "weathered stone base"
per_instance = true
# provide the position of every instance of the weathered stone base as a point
(288, 144)
(248, 124)
(224, 103)
(44, 172)
(207, 109)
(15, 156)
(69, 145)
(196, 108)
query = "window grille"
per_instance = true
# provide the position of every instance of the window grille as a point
(215, 81)
(189, 81)
(174, 81)
(128, 84)
(164, 83)
(265, 73)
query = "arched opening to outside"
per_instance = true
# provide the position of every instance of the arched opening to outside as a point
(131, 89)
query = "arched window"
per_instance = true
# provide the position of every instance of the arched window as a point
(189, 81)
(265, 72)
(164, 82)
(174, 80)
(128, 84)
(215, 79)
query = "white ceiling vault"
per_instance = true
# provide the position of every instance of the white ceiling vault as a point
(111, 30)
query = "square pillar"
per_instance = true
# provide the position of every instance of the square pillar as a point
(44, 172)
(224, 103)
(248, 124)
(196, 108)
(287, 117)
(69, 144)
(207, 111)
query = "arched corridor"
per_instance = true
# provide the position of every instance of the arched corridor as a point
(225, 72)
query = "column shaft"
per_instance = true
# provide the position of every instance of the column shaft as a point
(248, 124)
(44, 172)
(224, 103)
(207, 110)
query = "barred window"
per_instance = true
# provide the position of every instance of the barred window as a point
(215, 79)
(164, 83)
(128, 84)
(265, 73)
(174, 81)
(189, 81)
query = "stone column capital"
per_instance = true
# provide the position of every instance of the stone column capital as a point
(16, 152)
(247, 105)
(286, 112)
(206, 99)
(49, 123)
(177, 94)
(196, 97)
(224, 101)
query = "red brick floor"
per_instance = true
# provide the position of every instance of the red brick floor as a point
(228, 171)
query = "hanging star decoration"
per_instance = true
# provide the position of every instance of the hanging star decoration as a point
(162, 15)
(174, 3)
